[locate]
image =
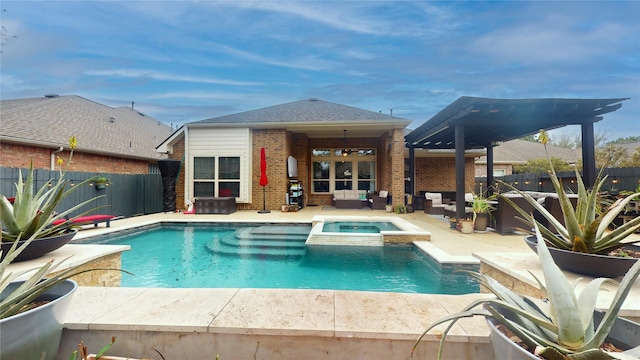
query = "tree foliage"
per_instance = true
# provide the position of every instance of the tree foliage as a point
(541, 166)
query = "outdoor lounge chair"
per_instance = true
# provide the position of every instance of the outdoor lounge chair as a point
(88, 219)
(433, 203)
(504, 216)
(377, 202)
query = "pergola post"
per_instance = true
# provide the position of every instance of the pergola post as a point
(489, 170)
(588, 154)
(412, 170)
(460, 149)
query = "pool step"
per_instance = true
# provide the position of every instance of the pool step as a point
(264, 243)
(268, 242)
(262, 252)
(274, 233)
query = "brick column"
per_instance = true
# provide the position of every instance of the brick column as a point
(397, 167)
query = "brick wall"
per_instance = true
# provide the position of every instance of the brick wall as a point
(439, 174)
(20, 156)
(277, 147)
(396, 155)
(178, 153)
(104, 278)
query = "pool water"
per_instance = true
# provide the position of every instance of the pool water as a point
(372, 227)
(274, 256)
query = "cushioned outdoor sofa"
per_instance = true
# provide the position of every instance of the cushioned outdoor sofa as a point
(348, 199)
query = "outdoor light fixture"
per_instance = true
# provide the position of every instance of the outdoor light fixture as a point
(345, 151)
(615, 181)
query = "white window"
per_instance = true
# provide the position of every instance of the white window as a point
(498, 172)
(337, 169)
(217, 176)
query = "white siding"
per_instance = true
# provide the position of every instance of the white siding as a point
(221, 142)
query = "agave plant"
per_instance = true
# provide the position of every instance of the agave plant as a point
(563, 327)
(588, 227)
(31, 212)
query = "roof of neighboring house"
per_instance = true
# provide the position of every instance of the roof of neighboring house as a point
(51, 120)
(520, 151)
(305, 111)
(630, 147)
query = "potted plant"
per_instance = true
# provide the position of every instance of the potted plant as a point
(32, 213)
(32, 309)
(466, 226)
(100, 181)
(482, 208)
(584, 241)
(409, 207)
(562, 327)
(400, 209)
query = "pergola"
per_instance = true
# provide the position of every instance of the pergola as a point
(482, 123)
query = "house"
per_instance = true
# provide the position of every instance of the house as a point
(118, 140)
(518, 152)
(335, 147)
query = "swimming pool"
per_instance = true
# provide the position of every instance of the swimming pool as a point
(224, 255)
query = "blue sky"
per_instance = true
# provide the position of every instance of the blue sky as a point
(183, 61)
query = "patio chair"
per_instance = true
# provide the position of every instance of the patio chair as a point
(378, 202)
(505, 215)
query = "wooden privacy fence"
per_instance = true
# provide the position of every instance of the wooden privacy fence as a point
(126, 195)
(618, 179)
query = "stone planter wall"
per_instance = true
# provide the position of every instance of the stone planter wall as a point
(105, 278)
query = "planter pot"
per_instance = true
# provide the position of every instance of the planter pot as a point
(466, 227)
(504, 348)
(39, 247)
(587, 264)
(409, 209)
(388, 208)
(482, 221)
(101, 186)
(624, 335)
(35, 334)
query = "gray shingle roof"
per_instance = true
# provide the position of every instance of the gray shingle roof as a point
(520, 151)
(51, 121)
(304, 111)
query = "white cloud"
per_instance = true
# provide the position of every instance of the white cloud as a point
(134, 73)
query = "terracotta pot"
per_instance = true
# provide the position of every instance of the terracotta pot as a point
(482, 221)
